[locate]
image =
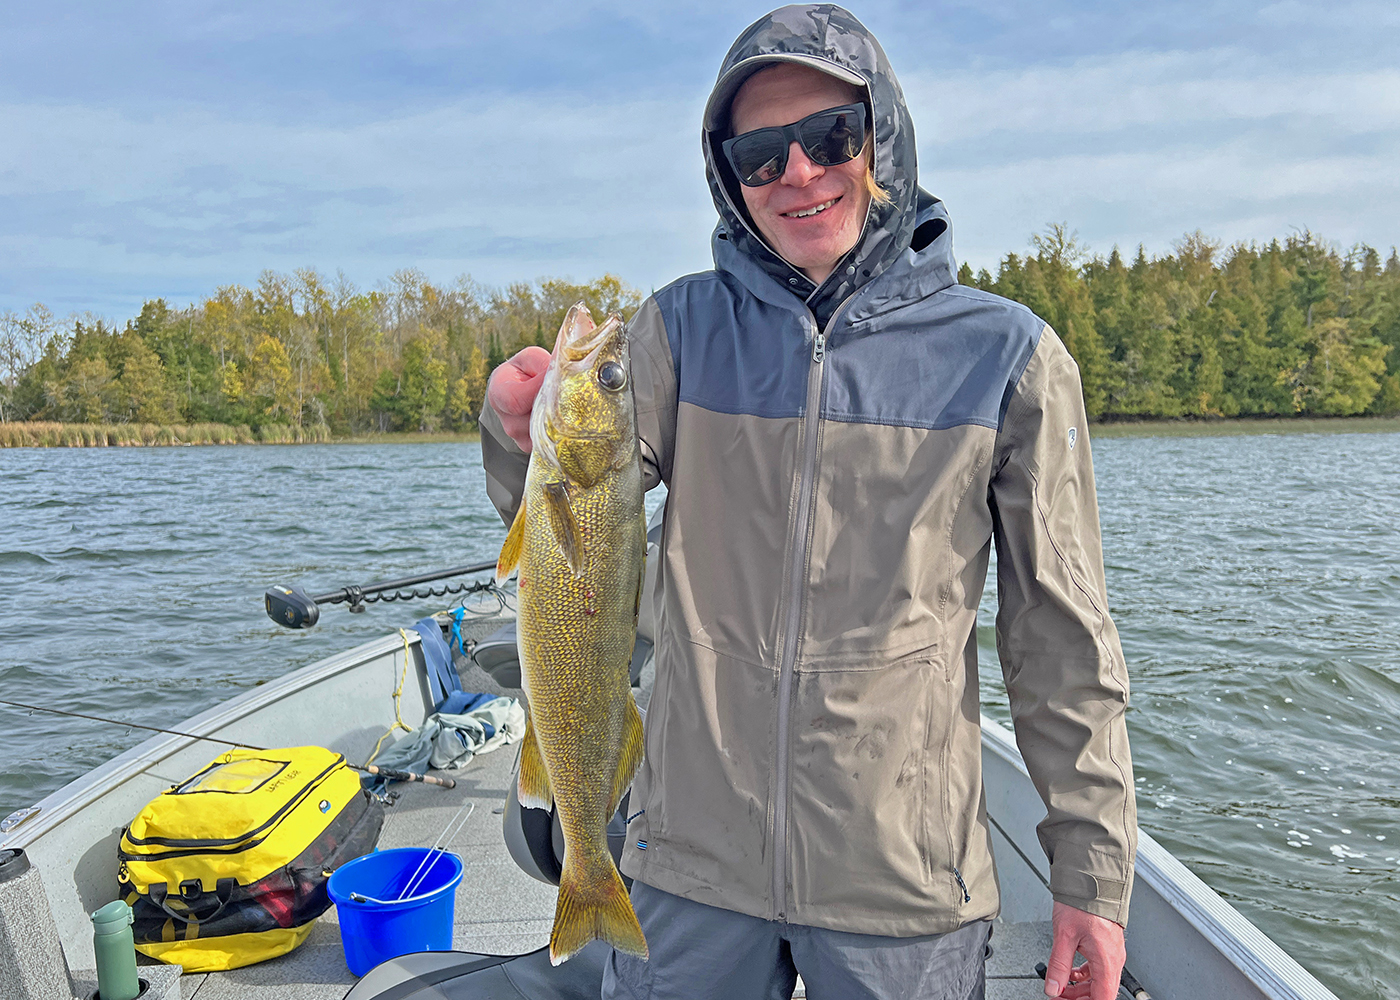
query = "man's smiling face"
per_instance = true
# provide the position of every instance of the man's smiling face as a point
(783, 211)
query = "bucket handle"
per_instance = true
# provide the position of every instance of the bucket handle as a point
(223, 891)
(358, 897)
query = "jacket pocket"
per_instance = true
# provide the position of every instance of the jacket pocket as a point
(866, 750)
(707, 771)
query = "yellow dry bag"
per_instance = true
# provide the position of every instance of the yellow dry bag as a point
(229, 867)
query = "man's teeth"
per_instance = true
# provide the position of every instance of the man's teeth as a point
(811, 211)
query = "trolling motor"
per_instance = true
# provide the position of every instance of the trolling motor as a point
(293, 607)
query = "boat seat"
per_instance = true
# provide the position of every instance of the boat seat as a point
(461, 975)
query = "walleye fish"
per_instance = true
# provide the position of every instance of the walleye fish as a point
(579, 543)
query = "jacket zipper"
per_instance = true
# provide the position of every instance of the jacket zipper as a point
(967, 898)
(797, 571)
(794, 598)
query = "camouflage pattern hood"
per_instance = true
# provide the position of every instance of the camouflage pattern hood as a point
(826, 37)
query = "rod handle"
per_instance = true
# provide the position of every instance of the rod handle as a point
(1127, 984)
(396, 775)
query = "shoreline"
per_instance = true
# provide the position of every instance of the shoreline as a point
(411, 437)
(1227, 427)
(59, 435)
(55, 435)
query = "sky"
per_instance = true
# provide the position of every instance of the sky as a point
(163, 149)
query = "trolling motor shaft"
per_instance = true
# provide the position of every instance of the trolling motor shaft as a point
(293, 607)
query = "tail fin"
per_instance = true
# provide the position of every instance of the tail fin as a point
(593, 905)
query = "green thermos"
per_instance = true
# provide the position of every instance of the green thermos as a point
(116, 952)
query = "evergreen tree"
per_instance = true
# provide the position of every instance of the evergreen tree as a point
(497, 355)
(384, 401)
(469, 391)
(143, 394)
(423, 385)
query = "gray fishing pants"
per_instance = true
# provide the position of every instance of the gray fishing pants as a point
(699, 951)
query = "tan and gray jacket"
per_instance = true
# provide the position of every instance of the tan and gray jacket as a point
(838, 469)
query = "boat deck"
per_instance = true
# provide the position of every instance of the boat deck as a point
(499, 909)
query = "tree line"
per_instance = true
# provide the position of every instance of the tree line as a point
(297, 350)
(1296, 326)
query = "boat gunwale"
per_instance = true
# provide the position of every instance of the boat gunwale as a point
(1234, 936)
(70, 799)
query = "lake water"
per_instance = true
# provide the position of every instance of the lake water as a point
(1255, 582)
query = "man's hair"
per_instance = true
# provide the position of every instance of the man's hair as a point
(878, 195)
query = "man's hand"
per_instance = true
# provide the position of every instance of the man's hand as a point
(512, 391)
(1099, 940)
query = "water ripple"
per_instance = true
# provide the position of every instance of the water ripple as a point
(1254, 585)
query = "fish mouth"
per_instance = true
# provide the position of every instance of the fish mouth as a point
(580, 339)
(580, 347)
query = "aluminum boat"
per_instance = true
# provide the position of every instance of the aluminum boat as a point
(1183, 940)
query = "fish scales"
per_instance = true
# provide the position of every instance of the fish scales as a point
(579, 542)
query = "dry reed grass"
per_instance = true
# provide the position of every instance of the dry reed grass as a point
(43, 434)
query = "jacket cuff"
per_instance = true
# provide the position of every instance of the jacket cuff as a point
(504, 462)
(1091, 880)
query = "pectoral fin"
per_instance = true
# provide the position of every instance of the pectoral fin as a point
(566, 529)
(532, 787)
(510, 551)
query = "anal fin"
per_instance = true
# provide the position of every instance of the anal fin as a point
(532, 786)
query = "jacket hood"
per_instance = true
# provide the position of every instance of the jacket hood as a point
(831, 39)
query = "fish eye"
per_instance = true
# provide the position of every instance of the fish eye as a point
(612, 376)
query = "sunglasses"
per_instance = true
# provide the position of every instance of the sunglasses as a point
(828, 137)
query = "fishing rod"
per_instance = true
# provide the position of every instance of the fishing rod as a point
(392, 774)
(293, 607)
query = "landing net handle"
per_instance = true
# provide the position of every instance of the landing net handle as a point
(293, 607)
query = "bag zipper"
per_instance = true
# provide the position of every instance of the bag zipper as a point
(233, 844)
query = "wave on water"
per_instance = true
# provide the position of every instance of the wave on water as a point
(21, 558)
(121, 556)
(288, 530)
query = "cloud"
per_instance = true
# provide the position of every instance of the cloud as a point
(502, 186)
(1173, 90)
(165, 157)
(1144, 146)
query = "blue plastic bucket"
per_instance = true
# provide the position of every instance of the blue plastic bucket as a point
(375, 925)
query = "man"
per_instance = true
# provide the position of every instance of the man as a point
(844, 430)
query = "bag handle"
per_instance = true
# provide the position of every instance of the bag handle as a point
(193, 889)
